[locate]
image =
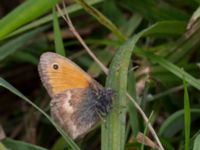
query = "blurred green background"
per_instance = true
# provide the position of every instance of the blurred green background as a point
(166, 54)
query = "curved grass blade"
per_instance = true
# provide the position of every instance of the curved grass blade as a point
(19, 145)
(151, 10)
(170, 67)
(12, 89)
(145, 132)
(164, 28)
(167, 129)
(194, 18)
(187, 118)
(197, 143)
(2, 147)
(23, 14)
(59, 46)
(113, 130)
(14, 44)
(102, 19)
(133, 114)
(25, 56)
(70, 9)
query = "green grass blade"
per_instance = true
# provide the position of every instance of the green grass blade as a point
(113, 130)
(70, 9)
(187, 119)
(25, 56)
(105, 55)
(130, 26)
(109, 140)
(164, 28)
(59, 46)
(170, 67)
(102, 19)
(12, 89)
(152, 10)
(168, 127)
(19, 145)
(59, 144)
(146, 130)
(197, 143)
(14, 44)
(133, 114)
(23, 14)
(2, 147)
(194, 17)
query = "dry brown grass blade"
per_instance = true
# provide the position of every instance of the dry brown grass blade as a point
(2, 133)
(141, 138)
(72, 28)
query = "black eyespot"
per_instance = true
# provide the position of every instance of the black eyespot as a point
(55, 66)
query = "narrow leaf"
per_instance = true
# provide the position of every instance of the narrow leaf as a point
(167, 128)
(19, 145)
(41, 21)
(13, 45)
(12, 89)
(170, 67)
(24, 13)
(102, 19)
(59, 46)
(113, 130)
(187, 119)
(197, 143)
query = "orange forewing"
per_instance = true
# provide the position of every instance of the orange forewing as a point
(67, 76)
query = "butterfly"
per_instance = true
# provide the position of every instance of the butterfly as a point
(78, 102)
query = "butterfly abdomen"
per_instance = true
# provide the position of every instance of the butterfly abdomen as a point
(103, 102)
(78, 102)
(96, 106)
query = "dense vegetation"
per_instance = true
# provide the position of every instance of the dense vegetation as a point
(151, 50)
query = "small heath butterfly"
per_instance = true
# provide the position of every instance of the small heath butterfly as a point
(78, 102)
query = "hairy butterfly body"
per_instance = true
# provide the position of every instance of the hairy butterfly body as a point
(77, 101)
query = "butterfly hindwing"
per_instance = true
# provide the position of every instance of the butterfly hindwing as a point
(77, 101)
(74, 111)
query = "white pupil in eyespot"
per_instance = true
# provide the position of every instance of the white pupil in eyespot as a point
(55, 66)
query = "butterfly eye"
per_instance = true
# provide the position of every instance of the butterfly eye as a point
(55, 66)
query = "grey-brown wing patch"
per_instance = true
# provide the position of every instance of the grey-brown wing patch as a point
(74, 111)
